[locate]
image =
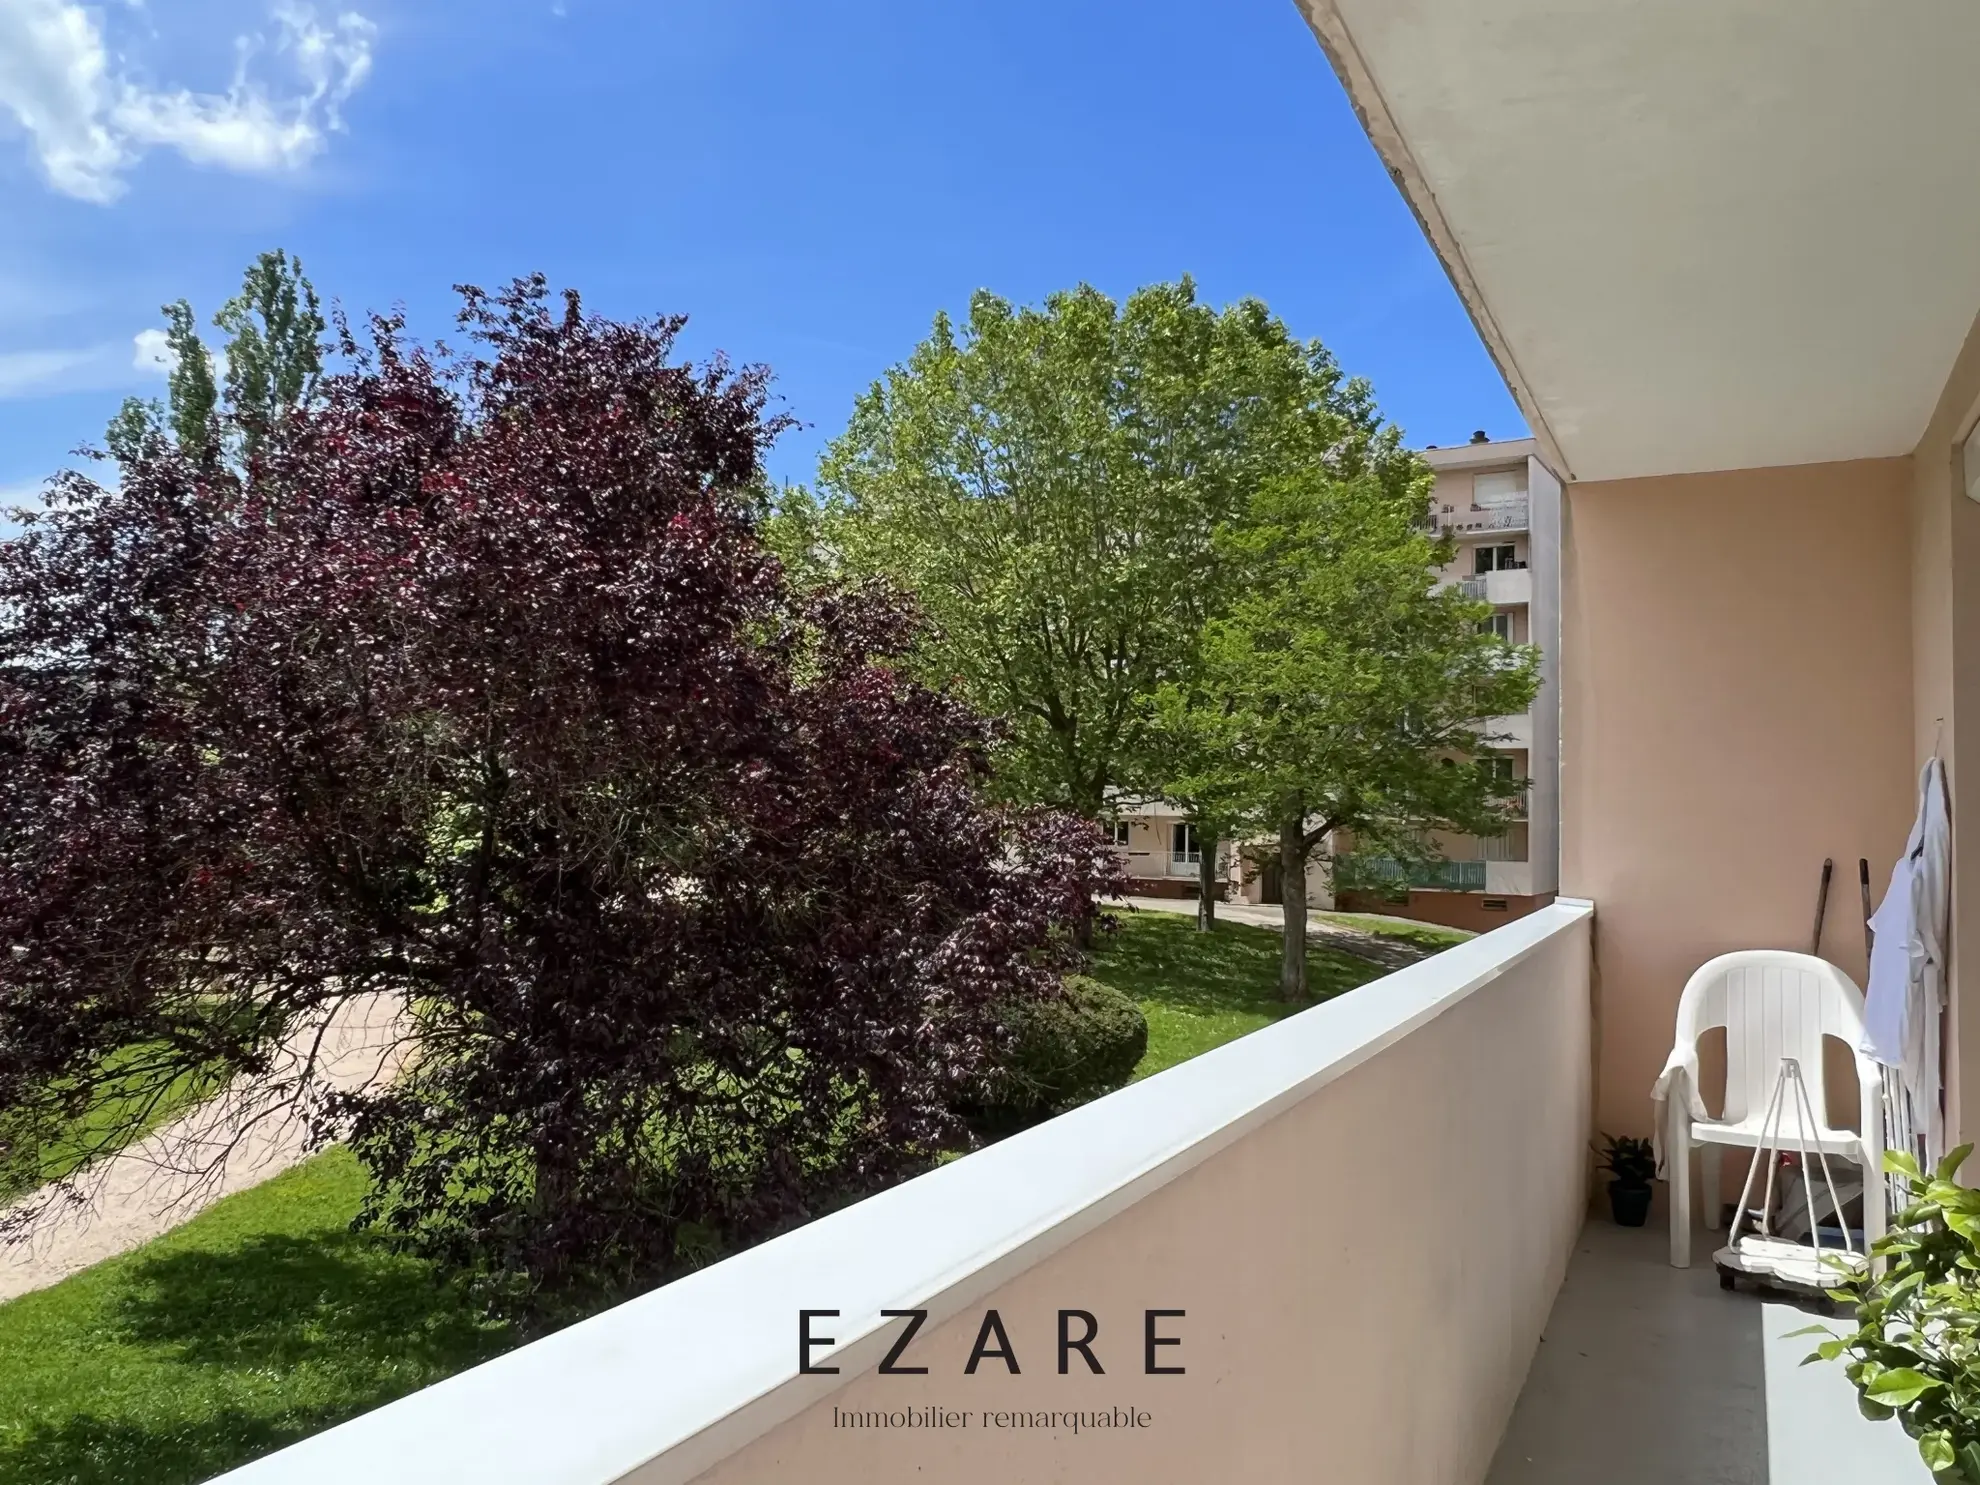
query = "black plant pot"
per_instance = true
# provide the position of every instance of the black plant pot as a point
(1629, 1204)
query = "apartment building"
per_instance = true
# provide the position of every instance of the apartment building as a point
(1503, 507)
(1163, 852)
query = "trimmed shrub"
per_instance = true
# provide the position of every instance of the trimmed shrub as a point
(1061, 1053)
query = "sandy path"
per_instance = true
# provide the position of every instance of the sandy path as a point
(226, 1145)
(1389, 953)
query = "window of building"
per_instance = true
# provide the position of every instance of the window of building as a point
(1117, 832)
(1183, 850)
(1502, 487)
(1499, 767)
(1494, 559)
(1499, 624)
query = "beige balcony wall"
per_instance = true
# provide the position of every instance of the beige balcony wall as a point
(1511, 587)
(1945, 638)
(1365, 1277)
(1736, 705)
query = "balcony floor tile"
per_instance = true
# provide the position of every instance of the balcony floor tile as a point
(1650, 1375)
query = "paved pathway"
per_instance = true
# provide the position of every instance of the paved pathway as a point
(234, 1141)
(227, 1144)
(1389, 953)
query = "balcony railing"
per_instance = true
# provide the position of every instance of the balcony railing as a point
(1387, 871)
(1511, 516)
(1234, 1196)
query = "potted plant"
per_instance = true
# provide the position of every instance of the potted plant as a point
(1632, 1166)
(1915, 1353)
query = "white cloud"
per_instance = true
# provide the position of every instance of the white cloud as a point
(25, 373)
(108, 367)
(150, 353)
(88, 119)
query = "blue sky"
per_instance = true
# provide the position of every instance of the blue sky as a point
(809, 182)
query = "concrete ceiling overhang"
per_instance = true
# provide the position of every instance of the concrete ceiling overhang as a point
(1695, 234)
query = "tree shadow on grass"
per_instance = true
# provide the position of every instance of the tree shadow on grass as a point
(338, 1300)
(89, 1450)
(234, 1353)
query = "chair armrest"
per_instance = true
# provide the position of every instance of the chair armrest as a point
(1870, 1095)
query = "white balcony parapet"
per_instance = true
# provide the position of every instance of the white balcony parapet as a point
(1424, 1166)
(1507, 587)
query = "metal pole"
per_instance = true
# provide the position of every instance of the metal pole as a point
(1822, 903)
(1863, 881)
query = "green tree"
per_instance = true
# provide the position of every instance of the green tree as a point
(273, 353)
(274, 330)
(187, 415)
(189, 384)
(796, 530)
(1341, 689)
(1047, 482)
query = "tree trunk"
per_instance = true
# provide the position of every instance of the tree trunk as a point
(1088, 805)
(1292, 891)
(1206, 879)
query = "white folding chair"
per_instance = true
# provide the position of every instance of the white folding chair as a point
(1772, 1004)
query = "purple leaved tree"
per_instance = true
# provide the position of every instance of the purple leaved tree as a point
(474, 695)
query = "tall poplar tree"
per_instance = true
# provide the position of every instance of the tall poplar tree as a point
(271, 360)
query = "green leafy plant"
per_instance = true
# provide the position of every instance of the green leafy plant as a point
(1057, 1054)
(1915, 1352)
(1631, 1161)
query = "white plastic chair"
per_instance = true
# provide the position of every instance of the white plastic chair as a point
(1773, 1004)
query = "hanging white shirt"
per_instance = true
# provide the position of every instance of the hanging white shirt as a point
(1887, 1003)
(1901, 1010)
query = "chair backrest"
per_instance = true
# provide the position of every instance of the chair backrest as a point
(1773, 1003)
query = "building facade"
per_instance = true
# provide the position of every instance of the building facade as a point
(1503, 507)
(1162, 851)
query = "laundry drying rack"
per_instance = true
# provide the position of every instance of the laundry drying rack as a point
(1784, 1259)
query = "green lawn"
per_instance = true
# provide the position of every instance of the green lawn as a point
(266, 1319)
(1202, 990)
(1430, 936)
(260, 1321)
(129, 1105)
